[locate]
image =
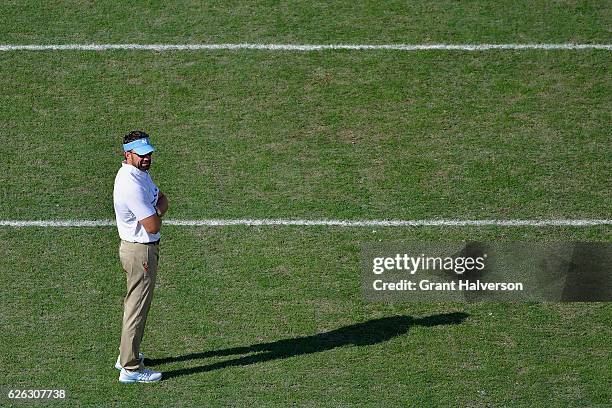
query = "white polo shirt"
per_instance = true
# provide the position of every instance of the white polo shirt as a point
(134, 197)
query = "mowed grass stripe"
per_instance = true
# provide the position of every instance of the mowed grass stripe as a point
(318, 21)
(225, 297)
(339, 135)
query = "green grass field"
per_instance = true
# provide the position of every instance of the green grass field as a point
(275, 316)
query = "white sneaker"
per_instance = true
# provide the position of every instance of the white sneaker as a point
(141, 376)
(118, 365)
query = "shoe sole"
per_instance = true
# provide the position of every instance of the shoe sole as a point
(137, 381)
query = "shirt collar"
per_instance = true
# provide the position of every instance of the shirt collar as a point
(133, 169)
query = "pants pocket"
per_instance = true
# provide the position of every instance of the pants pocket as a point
(149, 264)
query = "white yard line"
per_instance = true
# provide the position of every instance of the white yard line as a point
(300, 47)
(331, 223)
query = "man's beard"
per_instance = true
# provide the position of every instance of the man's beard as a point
(144, 166)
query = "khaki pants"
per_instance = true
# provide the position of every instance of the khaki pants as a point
(140, 264)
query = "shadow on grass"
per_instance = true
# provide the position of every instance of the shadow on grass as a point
(360, 334)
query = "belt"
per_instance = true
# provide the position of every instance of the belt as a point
(144, 243)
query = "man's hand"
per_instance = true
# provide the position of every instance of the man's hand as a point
(162, 203)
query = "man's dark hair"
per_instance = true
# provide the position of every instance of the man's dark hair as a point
(134, 135)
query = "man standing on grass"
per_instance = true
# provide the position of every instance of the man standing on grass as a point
(139, 206)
